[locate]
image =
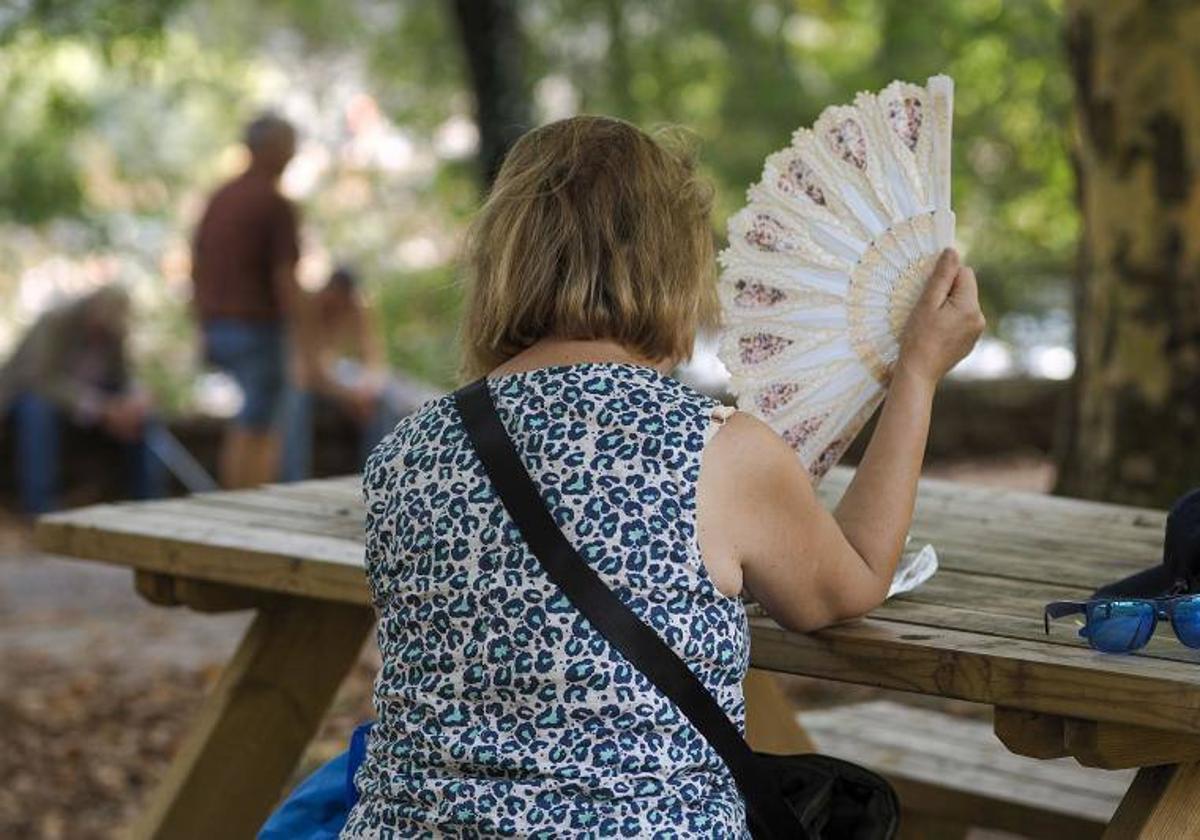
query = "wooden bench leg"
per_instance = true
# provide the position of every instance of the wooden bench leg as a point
(253, 728)
(1163, 803)
(771, 724)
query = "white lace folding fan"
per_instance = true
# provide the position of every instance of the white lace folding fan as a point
(827, 259)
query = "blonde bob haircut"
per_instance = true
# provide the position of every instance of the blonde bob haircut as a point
(593, 230)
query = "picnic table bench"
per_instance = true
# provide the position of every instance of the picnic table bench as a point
(974, 632)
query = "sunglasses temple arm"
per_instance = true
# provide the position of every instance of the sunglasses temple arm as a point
(1058, 609)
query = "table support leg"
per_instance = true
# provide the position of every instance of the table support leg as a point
(1163, 803)
(771, 724)
(245, 741)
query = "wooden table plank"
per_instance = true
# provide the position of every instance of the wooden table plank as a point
(905, 732)
(974, 631)
(1025, 628)
(267, 520)
(955, 517)
(138, 536)
(1070, 681)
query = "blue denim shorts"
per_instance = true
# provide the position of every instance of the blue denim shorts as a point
(254, 355)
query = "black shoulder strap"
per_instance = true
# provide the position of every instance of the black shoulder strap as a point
(768, 813)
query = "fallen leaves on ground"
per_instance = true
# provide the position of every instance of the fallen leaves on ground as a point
(82, 746)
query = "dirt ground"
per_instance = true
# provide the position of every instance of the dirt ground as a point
(96, 686)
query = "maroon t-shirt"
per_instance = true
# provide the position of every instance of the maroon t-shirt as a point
(247, 230)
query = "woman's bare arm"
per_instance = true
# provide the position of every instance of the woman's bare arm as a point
(876, 511)
(807, 567)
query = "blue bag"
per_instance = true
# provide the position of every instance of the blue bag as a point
(318, 807)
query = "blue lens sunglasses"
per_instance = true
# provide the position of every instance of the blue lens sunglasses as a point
(1122, 625)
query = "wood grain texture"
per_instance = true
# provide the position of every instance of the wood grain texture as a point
(1030, 734)
(917, 826)
(1035, 676)
(150, 538)
(245, 742)
(199, 595)
(1107, 746)
(1163, 803)
(1114, 746)
(974, 631)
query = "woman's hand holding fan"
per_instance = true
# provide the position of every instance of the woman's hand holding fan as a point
(944, 324)
(828, 261)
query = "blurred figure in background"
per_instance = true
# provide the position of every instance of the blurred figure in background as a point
(71, 367)
(244, 273)
(343, 366)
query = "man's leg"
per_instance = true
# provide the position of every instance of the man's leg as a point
(267, 381)
(249, 457)
(36, 422)
(265, 448)
(253, 354)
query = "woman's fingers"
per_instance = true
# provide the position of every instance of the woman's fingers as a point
(966, 288)
(964, 297)
(947, 320)
(938, 286)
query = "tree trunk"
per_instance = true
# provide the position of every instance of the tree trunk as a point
(491, 38)
(1133, 431)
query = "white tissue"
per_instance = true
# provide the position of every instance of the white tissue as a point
(915, 568)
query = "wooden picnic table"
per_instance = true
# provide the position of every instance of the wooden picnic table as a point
(973, 632)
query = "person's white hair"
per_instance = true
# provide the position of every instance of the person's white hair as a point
(265, 129)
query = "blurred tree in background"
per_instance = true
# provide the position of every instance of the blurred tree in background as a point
(127, 113)
(1136, 409)
(492, 43)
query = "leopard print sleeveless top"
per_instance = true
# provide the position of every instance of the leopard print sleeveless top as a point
(501, 711)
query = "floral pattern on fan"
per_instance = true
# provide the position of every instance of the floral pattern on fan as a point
(827, 260)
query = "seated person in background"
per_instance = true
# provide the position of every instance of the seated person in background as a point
(71, 367)
(343, 367)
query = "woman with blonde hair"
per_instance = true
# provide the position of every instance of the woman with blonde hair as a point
(501, 710)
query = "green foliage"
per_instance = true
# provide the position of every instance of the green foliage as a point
(419, 312)
(39, 175)
(121, 115)
(744, 76)
(38, 180)
(103, 20)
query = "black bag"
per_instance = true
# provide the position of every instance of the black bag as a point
(788, 797)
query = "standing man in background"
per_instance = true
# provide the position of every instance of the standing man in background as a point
(246, 296)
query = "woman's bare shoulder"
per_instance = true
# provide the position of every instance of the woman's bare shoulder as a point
(761, 478)
(753, 471)
(748, 444)
(756, 501)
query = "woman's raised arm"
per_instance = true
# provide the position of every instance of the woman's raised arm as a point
(760, 516)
